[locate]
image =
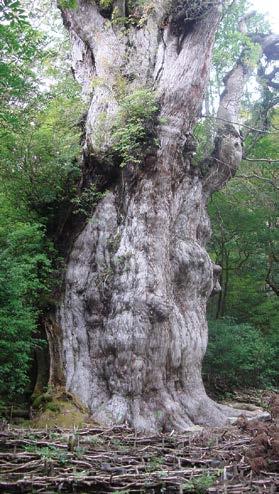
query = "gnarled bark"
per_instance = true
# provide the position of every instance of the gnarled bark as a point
(133, 312)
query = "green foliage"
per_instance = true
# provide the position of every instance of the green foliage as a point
(154, 463)
(106, 3)
(48, 453)
(134, 125)
(68, 4)
(38, 176)
(199, 484)
(230, 41)
(25, 269)
(87, 200)
(134, 14)
(38, 160)
(245, 244)
(251, 53)
(233, 44)
(39, 173)
(40, 401)
(19, 44)
(237, 355)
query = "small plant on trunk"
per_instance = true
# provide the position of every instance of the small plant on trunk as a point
(134, 126)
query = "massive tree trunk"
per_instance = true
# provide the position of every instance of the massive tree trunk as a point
(132, 316)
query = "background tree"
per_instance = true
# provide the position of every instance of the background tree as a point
(245, 244)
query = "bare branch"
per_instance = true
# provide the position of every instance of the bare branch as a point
(259, 177)
(269, 44)
(261, 131)
(267, 160)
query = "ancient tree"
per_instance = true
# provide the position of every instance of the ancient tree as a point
(130, 331)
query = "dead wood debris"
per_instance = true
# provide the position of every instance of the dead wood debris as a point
(118, 460)
(263, 452)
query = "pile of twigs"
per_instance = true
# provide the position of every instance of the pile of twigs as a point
(118, 460)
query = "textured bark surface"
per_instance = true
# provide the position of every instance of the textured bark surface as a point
(132, 317)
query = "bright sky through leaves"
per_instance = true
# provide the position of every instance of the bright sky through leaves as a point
(271, 9)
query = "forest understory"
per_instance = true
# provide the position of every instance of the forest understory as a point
(233, 459)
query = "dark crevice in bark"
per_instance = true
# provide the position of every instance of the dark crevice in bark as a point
(104, 173)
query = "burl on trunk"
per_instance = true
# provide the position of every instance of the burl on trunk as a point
(132, 316)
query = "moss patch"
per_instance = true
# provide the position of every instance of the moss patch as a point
(59, 413)
(59, 408)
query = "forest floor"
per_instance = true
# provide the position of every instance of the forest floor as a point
(233, 459)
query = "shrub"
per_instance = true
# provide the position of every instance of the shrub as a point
(134, 125)
(68, 4)
(87, 200)
(238, 355)
(199, 484)
(24, 271)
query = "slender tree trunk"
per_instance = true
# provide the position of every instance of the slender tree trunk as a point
(226, 285)
(132, 317)
(221, 279)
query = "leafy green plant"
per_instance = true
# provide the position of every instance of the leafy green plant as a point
(199, 485)
(19, 45)
(24, 273)
(79, 451)
(154, 463)
(48, 452)
(134, 125)
(53, 407)
(230, 41)
(87, 200)
(106, 3)
(96, 440)
(38, 160)
(238, 354)
(38, 178)
(68, 4)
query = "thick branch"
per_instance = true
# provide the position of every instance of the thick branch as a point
(269, 44)
(268, 78)
(227, 154)
(239, 124)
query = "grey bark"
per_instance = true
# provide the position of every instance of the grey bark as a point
(132, 316)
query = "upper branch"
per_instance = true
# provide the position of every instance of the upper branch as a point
(269, 44)
(227, 154)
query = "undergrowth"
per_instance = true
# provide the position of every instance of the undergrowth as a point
(239, 355)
